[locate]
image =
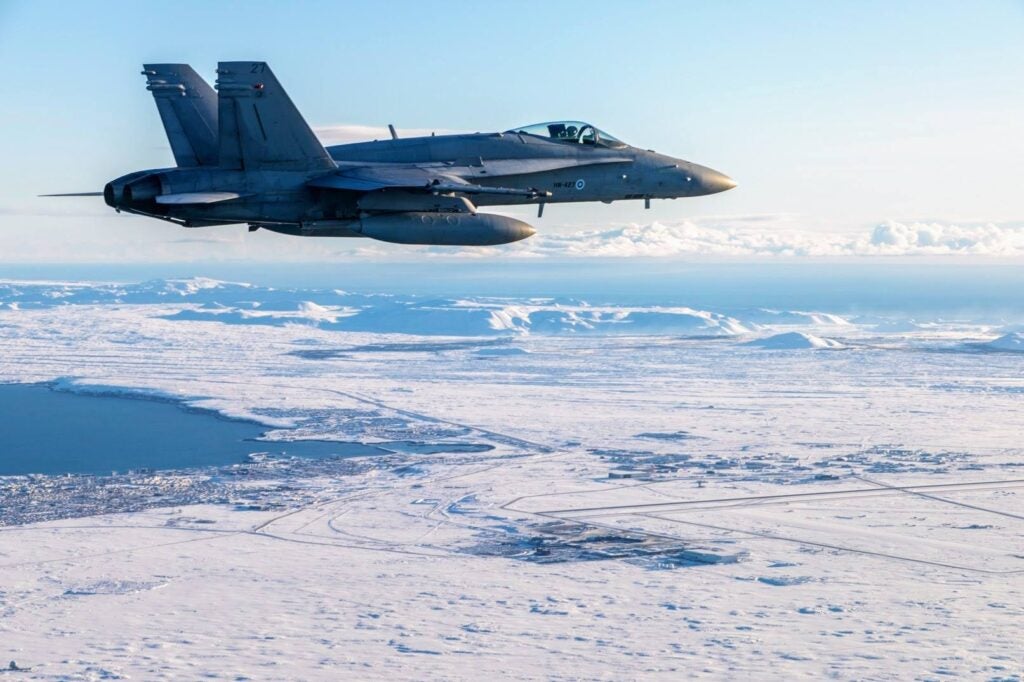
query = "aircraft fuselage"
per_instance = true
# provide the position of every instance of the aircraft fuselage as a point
(245, 155)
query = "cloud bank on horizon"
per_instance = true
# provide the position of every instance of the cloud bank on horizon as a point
(694, 237)
(755, 237)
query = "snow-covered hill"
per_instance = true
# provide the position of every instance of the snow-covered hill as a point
(795, 341)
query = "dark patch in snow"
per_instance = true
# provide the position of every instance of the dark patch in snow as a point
(673, 436)
(558, 542)
(784, 581)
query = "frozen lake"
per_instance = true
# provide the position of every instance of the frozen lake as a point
(43, 431)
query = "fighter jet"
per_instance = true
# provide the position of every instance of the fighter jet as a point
(244, 154)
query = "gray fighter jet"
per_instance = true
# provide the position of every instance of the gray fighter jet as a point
(244, 154)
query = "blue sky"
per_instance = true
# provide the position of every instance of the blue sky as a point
(832, 116)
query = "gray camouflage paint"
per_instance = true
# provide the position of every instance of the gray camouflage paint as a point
(246, 155)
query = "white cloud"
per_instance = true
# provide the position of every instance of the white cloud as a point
(744, 237)
(935, 238)
(123, 238)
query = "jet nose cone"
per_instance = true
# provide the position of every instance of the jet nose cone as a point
(713, 182)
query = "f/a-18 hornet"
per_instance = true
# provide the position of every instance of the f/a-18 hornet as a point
(244, 154)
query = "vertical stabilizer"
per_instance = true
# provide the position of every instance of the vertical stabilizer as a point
(188, 108)
(259, 127)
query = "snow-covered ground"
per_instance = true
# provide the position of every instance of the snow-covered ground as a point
(667, 493)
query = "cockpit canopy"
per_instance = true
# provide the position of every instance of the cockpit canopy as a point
(571, 132)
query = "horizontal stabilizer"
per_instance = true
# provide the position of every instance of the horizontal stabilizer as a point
(259, 127)
(188, 109)
(196, 198)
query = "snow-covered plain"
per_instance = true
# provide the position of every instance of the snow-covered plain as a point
(660, 498)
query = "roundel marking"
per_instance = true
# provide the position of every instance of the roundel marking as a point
(580, 184)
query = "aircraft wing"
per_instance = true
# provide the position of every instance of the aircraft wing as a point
(499, 167)
(371, 178)
(452, 177)
(432, 180)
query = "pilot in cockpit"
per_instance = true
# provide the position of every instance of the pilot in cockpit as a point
(567, 131)
(572, 132)
(560, 131)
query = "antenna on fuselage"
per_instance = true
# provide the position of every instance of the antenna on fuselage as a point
(394, 133)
